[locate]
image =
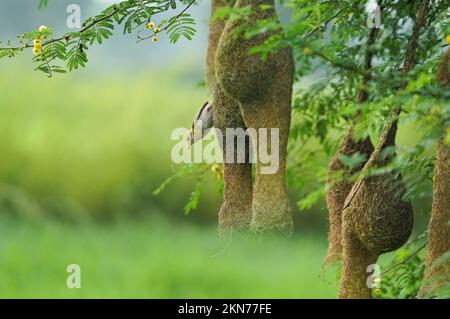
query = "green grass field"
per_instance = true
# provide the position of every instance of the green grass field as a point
(156, 260)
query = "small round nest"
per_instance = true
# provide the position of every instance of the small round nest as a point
(378, 213)
(381, 219)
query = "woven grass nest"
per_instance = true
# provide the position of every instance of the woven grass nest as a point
(244, 76)
(443, 70)
(380, 217)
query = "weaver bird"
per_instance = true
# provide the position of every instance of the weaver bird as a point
(202, 123)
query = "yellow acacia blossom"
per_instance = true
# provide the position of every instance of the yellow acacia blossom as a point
(43, 28)
(307, 51)
(36, 51)
(217, 170)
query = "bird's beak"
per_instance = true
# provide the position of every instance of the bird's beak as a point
(189, 139)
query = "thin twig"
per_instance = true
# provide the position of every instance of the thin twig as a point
(406, 259)
(322, 25)
(345, 66)
(170, 24)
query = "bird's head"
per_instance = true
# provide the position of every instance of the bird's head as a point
(202, 123)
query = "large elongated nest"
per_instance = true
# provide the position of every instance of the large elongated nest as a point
(244, 76)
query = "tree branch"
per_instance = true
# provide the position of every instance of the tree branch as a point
(170, 24)
(67, 36)
(404, 260)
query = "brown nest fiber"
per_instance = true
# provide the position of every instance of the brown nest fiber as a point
(376, 218)
(381, 218)
(437, 276)
(263, 89)
(339, 190)
(215, 31)
(236, 210)
(443, 70)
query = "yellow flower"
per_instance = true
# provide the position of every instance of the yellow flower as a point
(434, 178)
(377, 291)
(154, 39)
(157, 30)
(217, 170)
(307, 51)
(429, 118)
(447, 39)
(43, 28)
(150, 25)
(36, 51)
(36, 41)
(38, 46)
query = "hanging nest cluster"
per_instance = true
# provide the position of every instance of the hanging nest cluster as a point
(263, 89)
(215, 31)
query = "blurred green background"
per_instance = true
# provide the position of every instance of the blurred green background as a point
(80, 156)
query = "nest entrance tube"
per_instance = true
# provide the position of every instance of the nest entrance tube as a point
(263, 90)
(235, 212)
(339, 190)
(437, 276)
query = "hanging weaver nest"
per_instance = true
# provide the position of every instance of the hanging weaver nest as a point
(380, 217)
(244, 76)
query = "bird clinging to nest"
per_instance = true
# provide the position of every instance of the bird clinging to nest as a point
(202, 123)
